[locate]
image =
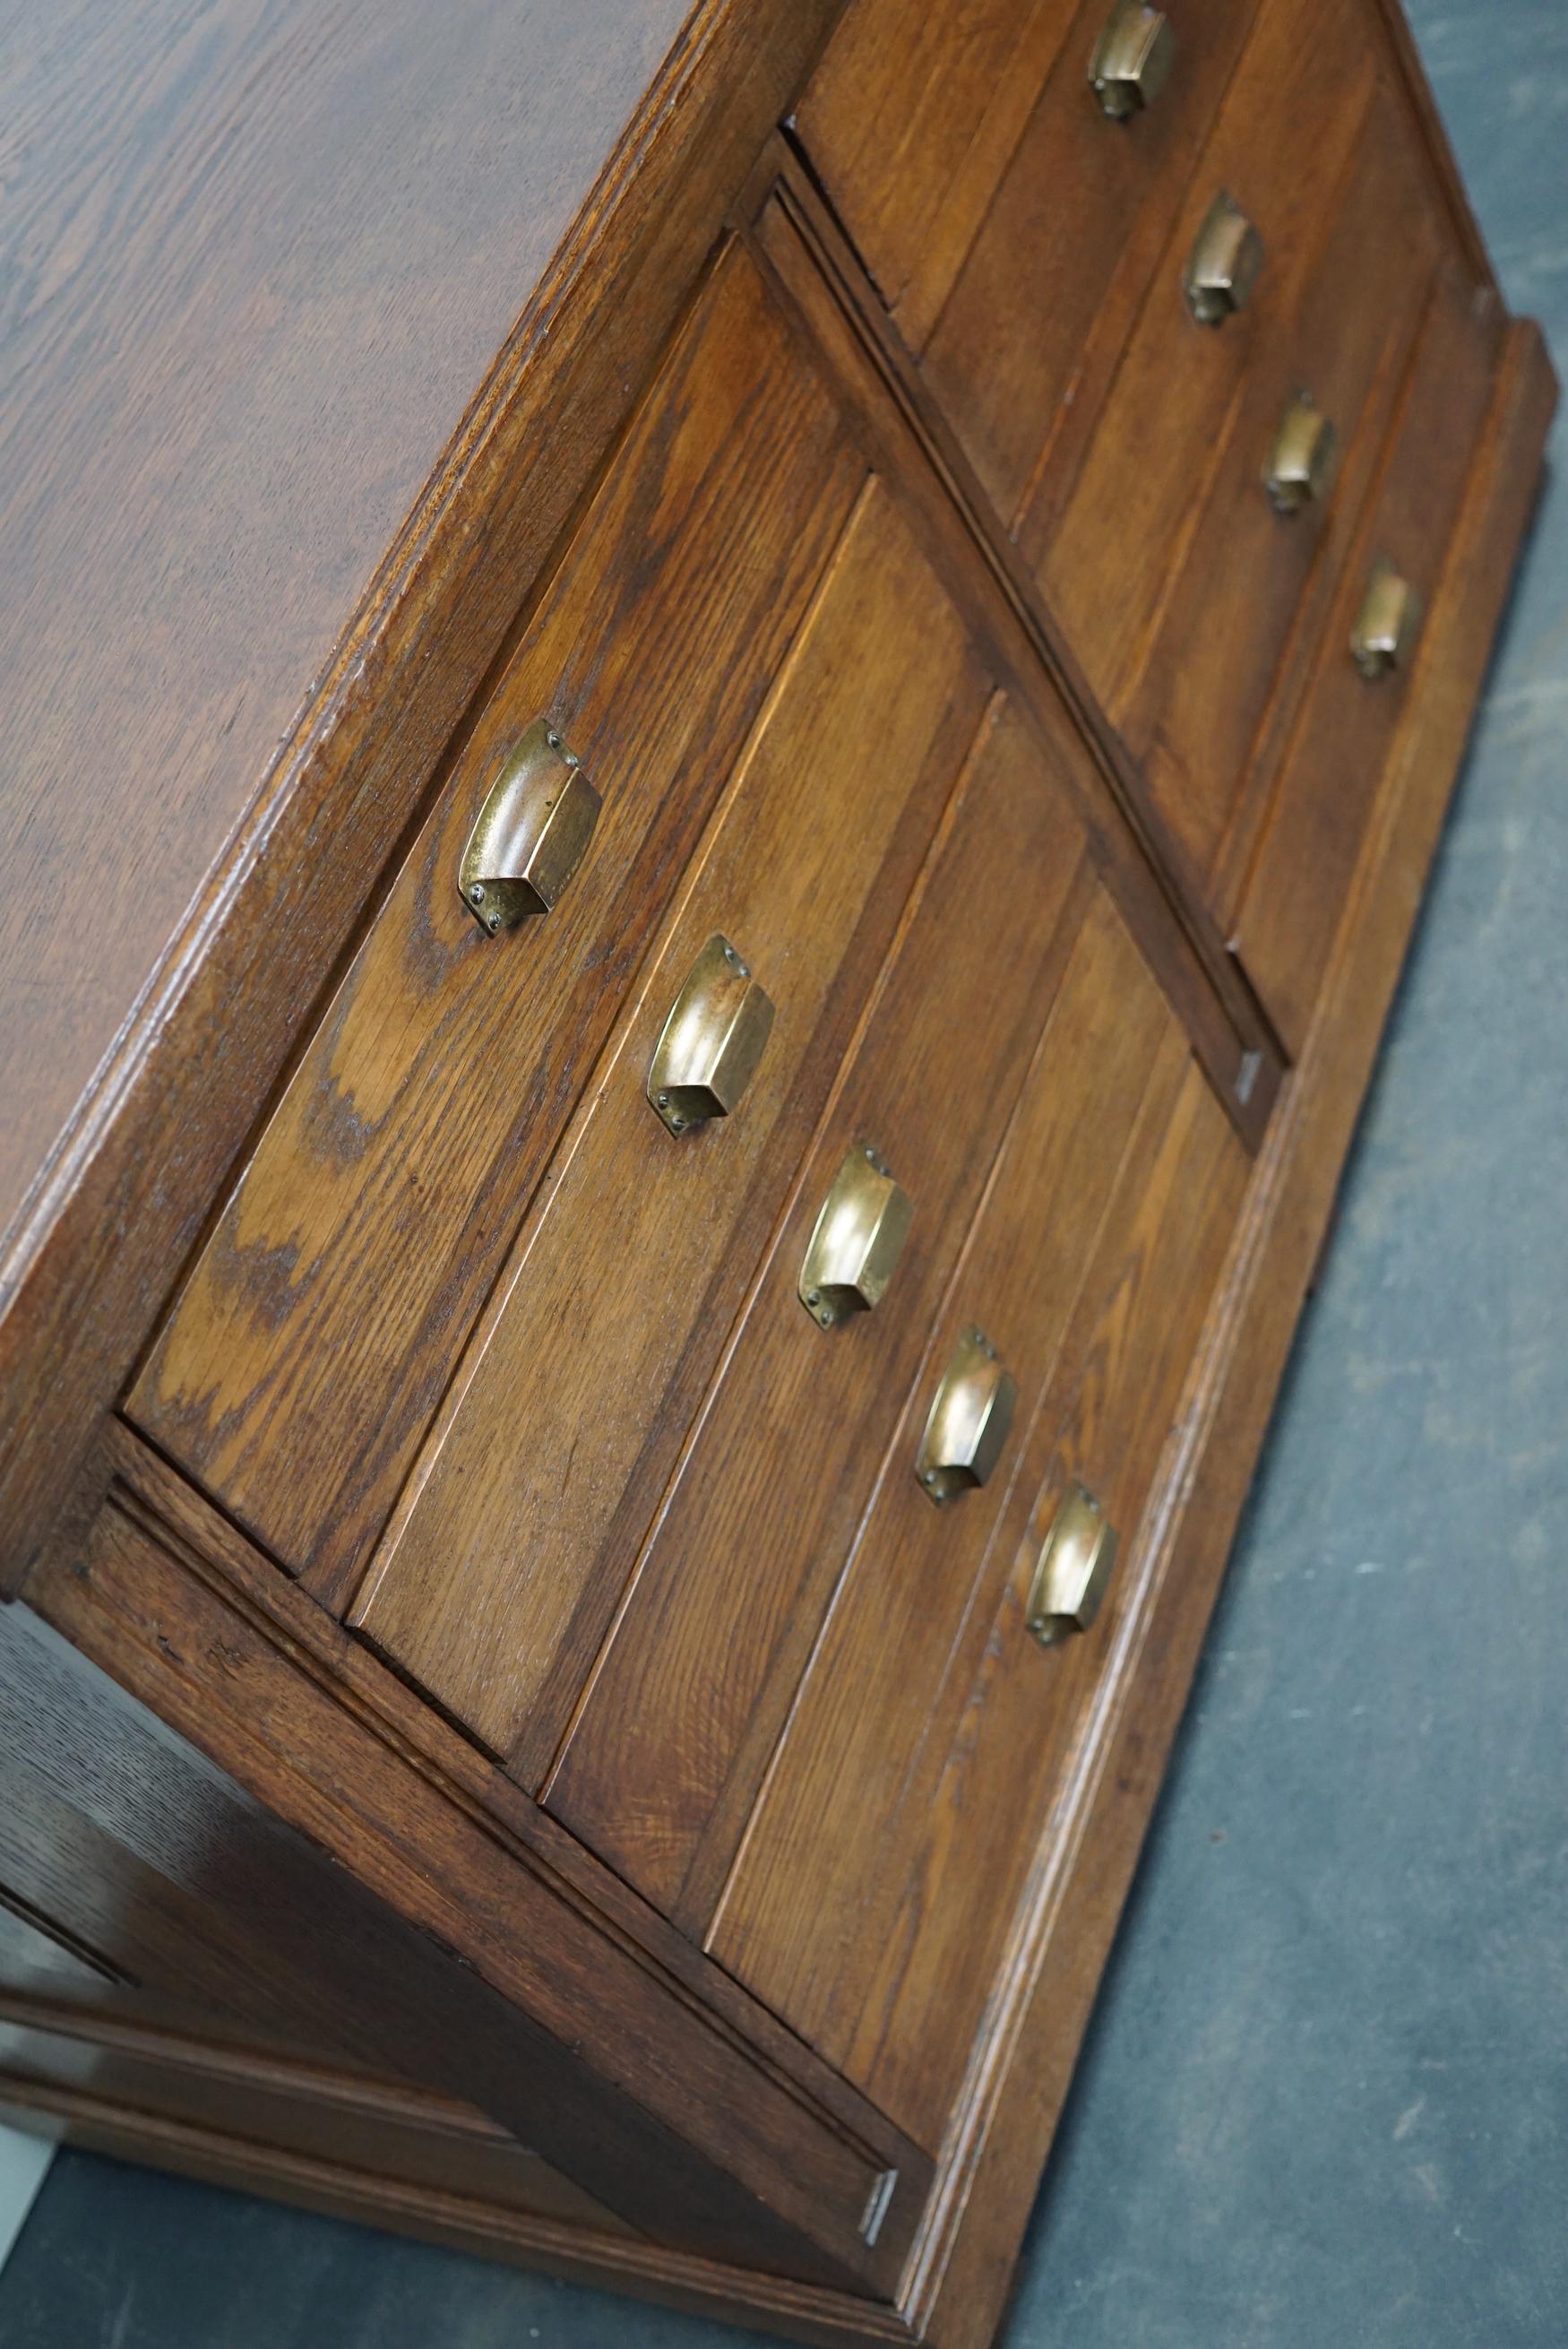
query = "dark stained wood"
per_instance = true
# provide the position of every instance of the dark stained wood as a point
(418, 1953)
(325, 1314)
(279, 2102)
(520, 1835)
(465, 2215)
(613, 1308)
(663, 1760)
(1294, 892)
(910, 120)
(117, 1198)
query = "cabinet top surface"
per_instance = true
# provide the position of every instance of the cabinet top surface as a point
(259, 256)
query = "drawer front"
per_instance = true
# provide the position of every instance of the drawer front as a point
(1111, 563)
(870, 1899)
(511, 1550)
(665, 1757)
(1012, 226)
(1237, 618)
(1031, 338)
(327, 1311)
(1295, 892)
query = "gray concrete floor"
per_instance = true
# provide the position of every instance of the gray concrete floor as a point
(1324, 2101)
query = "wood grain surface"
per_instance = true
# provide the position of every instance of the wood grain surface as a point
(1231, 640)
(393, 1926)
(663, 1758)
(1008, 1738)
(259, 258)
(1028, 342)
(1281, 149)
(1308, 850)
(505, 1554)
(325, 1316)
(122, 1194)
(190, 2072)
(957, 2288)
(806, 1918)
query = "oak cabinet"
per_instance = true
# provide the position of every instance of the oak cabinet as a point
(625, 1397)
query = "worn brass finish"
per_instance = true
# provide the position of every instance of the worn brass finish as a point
(1074, 1569)
(1384, 636)
(857, 1240)
(1132, 59)
(970, 1420)
(531, 835)
(1226, 260)
(708, 1049)
(1305, 453)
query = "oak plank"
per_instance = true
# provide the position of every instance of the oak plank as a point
(800, 1921)
(1030, 340)
(968, 1850)
(1293, 896)
(322, 1321)
(511, 1546)
(663, 1756)
(259, 259)
(120, 1196)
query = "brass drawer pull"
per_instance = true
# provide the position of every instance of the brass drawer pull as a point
(1132, 59)
(709, 1046)
(1226, 260)
(1385, 632)
(530, 834)
(970, 1421)
(1305, 454)
(1074, 1569)
(857, 1240)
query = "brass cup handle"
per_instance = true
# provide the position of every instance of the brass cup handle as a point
(857, 1239)
(531, 835)
(970, 1421)
(1384, 636)
(1226, 261)
(1073, 1570)
(1132, 59)
(711, 1042)
(1304, 458)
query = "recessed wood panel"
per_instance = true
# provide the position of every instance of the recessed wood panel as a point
(665, 1754)
(1027, 343)
(798, 1923)
(1109, 563)
(965, 1852)
(1295, 892)
(325, 1316)
(910, 120)
(513, 1543)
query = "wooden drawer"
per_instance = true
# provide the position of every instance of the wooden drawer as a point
(529, 1501)
(326, 1312)
(665, 1756)
(1295, 895)
(1011, 226)
(881, 1869)
(1192, 401)
(1233, 624)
